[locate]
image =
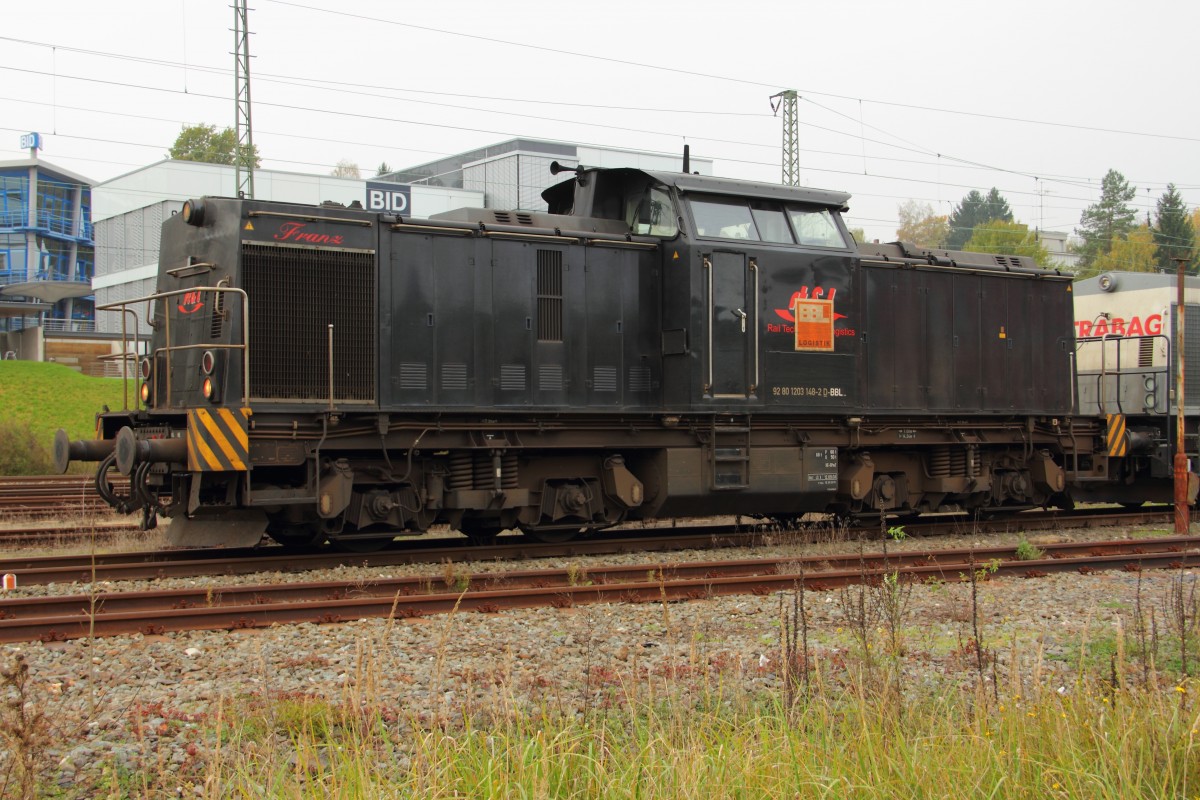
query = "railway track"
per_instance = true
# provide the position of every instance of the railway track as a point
(214, 608)
(155, 564)
(30, 535)
(54, 496)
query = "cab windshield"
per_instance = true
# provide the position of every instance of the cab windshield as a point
(765, 221)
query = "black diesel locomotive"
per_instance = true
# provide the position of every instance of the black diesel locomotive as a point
(657, 344)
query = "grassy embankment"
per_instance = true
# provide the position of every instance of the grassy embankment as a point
(36, 399)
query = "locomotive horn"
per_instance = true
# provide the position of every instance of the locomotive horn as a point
(556, 168)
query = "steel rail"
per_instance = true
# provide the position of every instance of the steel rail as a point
(38, 570)
(26, 619)
(814, 566)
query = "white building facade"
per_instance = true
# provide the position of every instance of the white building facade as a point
(128, 213)
(513, 174)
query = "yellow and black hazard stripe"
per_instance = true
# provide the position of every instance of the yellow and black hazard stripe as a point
(1118, 442)
(217, 440)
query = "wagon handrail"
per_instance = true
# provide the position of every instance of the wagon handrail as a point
(1117, 371)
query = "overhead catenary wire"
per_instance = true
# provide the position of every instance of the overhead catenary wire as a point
(1089, 183)
(914, 147)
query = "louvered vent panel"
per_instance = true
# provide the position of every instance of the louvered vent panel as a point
(639, 379)
(218, 316)
(549, 296)
(412, 375)
(1146, 353)
(454, 376)
(295, 293)
(512, 377)
(604, 379)
(550, 378)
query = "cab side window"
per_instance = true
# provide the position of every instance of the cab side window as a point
(652, 213)
(771, 222)
(723, 218)
(815, 227)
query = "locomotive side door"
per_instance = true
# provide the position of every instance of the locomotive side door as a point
(732, 324)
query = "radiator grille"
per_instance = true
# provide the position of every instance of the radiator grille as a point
(295, 293)
(1191, 347)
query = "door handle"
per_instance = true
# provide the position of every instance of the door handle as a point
(741, 314)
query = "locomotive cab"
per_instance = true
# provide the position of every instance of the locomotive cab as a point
(644, 204)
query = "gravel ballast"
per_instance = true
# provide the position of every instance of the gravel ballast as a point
(129, 701)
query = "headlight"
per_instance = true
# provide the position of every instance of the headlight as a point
(146, 393)
(209, 388)
(193, 212)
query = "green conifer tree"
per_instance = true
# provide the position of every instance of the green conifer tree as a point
(974, 209)
(1174, 236)
(1109, 220)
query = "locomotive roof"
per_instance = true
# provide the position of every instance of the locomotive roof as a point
(561, 193)
(1129, 281)
(775, 191)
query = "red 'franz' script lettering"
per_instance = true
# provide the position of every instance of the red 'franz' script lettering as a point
(294, 232)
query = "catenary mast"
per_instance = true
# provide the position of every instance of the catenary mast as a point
(243, 154)
(791, 135)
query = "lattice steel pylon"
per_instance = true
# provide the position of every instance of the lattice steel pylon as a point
(243, 154)
(791, 135)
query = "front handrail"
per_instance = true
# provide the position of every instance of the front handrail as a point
(168, 349)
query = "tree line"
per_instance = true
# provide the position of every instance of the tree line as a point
(1111, 238)
(205, 143)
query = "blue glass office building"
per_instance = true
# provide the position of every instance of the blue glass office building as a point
(47, 253)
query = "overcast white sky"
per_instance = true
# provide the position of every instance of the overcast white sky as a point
(915, 100)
